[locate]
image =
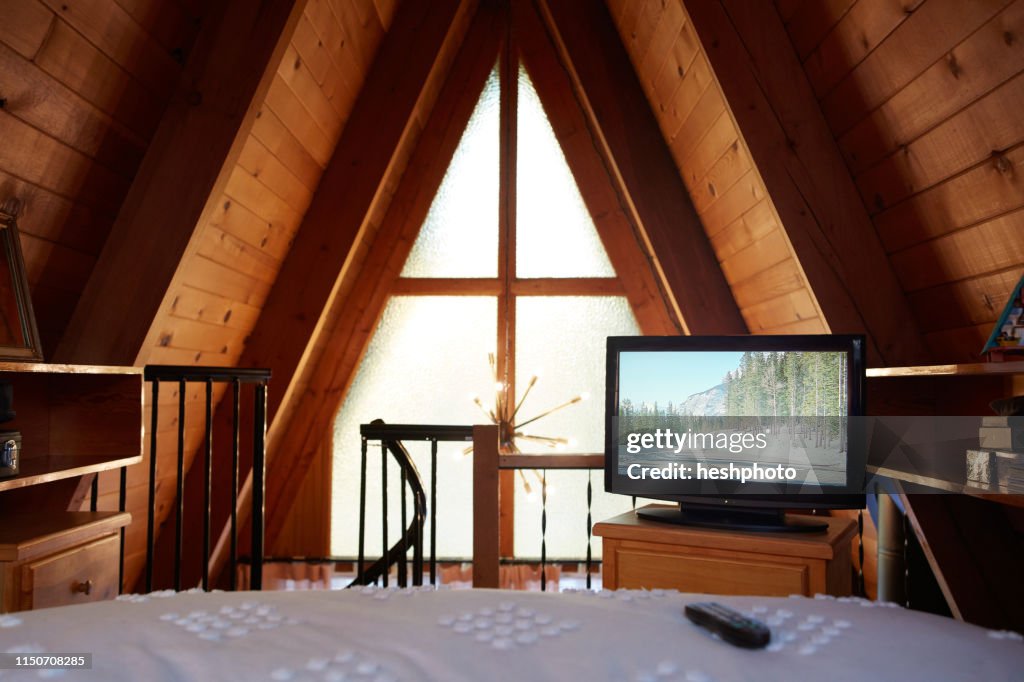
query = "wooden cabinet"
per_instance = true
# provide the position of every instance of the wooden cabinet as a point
(59, 559)
(646, 554)
(75, 421)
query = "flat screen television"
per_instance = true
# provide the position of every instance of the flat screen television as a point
(737, 429)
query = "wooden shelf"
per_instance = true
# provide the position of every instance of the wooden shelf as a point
(942, 390)
(45, 368)
(29, 535)
(993, 493)
(56, 467)
(74, 420)
(970, 369)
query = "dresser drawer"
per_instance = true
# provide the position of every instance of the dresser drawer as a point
(81, 574)
(709, 574)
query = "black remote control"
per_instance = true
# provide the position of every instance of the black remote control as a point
(729, 624)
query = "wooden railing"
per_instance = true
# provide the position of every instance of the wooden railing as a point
(391, 437)
(487, 463)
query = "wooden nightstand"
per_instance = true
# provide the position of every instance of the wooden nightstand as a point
(647, 554)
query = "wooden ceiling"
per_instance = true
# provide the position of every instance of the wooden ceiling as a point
(855, 165)
(919, 99)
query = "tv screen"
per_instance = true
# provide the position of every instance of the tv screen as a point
(751, 421)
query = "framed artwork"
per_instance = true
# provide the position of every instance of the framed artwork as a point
(19, 339)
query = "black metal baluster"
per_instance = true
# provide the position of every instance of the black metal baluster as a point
(207, 484)
(180, 506)
(152, 487)
(433, 511)
(590, 497)
(860, 552)
(403, 577)
(94, 492)
(543, 531)
(362, 516)
(259, 474)
(384, 510)
(122, 504)
(236, 394)
(906, 561)
(417, 548)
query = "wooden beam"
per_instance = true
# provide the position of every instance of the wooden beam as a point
(627, 248)
(412, 62)
(382, 119)
(809, 184)
(187, 163)
(639, 160)
(306, 415)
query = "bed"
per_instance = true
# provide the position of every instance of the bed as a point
(426, 634)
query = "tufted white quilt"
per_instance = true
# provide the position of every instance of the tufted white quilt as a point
(424, 634)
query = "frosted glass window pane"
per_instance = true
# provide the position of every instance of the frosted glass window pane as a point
(459, 237)
(566, 534)
(562, 339)
(427, 357)
(555, 235)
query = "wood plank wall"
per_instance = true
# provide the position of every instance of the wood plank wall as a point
(306, 416)
(755, 255)
(83, 85)
(924, 100)
(223, 280)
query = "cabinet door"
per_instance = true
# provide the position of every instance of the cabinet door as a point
(82, 574)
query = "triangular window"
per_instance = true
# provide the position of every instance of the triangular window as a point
(555, 235)
(459, 238)
(507, 262)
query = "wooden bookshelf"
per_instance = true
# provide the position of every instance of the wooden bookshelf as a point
(74, 421)
(993, 493)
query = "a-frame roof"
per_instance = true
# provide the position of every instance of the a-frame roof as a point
(850, 168)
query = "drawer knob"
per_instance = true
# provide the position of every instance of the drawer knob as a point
(85, 587)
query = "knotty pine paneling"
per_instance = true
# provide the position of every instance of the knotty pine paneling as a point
(234, 257)
(923, 99)
(83, 85)
(716, 166)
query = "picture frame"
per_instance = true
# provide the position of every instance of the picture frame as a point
(19, 336)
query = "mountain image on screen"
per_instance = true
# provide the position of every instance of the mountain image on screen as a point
(711, 402)
(782, 384)
(795, 399)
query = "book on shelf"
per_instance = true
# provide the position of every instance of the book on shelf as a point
(1001, 437)
(1002, 421)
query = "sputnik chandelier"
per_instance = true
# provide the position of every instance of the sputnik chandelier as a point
(504, 416)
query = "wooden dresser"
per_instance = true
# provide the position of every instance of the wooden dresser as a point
(647, 554)
(75, 421)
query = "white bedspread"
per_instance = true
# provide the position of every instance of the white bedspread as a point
(423, 634)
